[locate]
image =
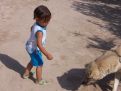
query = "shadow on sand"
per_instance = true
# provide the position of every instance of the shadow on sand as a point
(11, 63)
(74, 78)
(116, 2)
(109, 13)
(99, 43)
(105, 84)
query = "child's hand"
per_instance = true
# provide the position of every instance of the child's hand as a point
(49, 56)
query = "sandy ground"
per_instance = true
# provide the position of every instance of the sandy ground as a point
(73, 39)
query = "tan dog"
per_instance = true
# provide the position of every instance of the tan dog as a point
(109, 62)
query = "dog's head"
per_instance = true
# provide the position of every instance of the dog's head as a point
(92, 73)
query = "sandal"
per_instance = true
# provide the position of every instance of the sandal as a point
(25, 76)
(41, 82)
(28, 75)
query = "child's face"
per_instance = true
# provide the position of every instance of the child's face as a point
(42, 22)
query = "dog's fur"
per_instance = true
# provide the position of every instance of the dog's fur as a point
(109, 62)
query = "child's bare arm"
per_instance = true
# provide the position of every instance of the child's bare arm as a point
(40, 46)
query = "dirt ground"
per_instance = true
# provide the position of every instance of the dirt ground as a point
(79, 32)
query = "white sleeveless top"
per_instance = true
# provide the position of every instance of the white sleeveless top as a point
(31, 44)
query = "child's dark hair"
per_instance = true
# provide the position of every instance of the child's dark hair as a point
(42, 12)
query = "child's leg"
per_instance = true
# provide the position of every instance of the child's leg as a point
(39, 80)
(39, 73)
(28, 69)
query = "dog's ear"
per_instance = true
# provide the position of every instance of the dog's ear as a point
(86, 65)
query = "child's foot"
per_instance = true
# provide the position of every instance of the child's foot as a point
(41, 82)
(25, 76)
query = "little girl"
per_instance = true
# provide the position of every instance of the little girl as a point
(36, 42)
